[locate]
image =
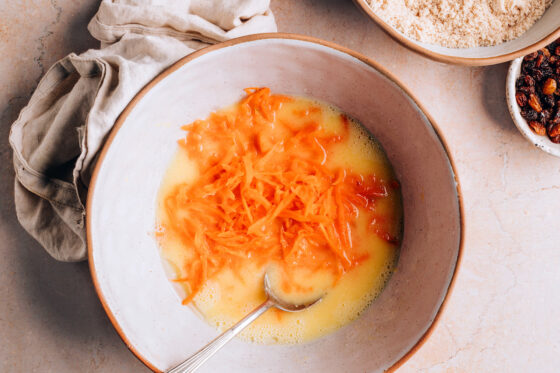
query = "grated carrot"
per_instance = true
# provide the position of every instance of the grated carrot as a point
(265, 194)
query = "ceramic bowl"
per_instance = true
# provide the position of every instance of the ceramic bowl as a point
(124, 259)
(541, 142)
(543, 32)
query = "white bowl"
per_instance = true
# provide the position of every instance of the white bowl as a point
(543, 32)
(541, 142)
(124, 259)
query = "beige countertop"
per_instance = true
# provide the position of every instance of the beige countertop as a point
(504, 312)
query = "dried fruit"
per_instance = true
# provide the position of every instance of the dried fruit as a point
(535, 103)
(547, 101)
(547, 71)
(538, 91)
(529, 114)
(554, 130)
(549, 86)
(521, 99)
(529, 80)
(544, 116)
(527, 89)
(538, 74)
(538, 128)
(532, 56)
(540, 60)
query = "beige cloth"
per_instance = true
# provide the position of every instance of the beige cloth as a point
(58, 135)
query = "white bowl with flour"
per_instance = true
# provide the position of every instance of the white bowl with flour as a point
(405, 27)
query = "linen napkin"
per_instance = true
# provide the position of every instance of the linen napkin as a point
(58, 135)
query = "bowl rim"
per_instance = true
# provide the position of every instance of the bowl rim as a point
(454, 60)
(541, 142)
(245, 39)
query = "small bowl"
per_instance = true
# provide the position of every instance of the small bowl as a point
(123, 254)
(541, 142)
(543, 32)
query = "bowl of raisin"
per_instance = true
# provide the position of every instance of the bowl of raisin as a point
(533, 96)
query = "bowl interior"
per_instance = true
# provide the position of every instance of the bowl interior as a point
(546, 26)
(541, 142)
(124, 257)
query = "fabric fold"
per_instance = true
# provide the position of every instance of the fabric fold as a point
(58, 135)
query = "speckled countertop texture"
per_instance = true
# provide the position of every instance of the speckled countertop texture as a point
(504, 313)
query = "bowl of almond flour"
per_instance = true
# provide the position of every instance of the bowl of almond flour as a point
(468, 32)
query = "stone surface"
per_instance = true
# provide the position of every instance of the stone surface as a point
(503, 313)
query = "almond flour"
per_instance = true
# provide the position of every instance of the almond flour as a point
(461, 23)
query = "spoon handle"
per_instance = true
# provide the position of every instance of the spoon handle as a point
(196, 360)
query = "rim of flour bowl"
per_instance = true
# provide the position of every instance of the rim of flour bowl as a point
(454, 60)
(123, 116)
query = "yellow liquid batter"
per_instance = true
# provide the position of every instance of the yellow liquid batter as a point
(229, 296)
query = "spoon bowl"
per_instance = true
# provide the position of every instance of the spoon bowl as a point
(281, 304)
(272, 300)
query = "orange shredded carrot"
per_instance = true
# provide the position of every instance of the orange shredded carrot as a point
(265, 194)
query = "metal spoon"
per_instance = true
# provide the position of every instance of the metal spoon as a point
(196, 360)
